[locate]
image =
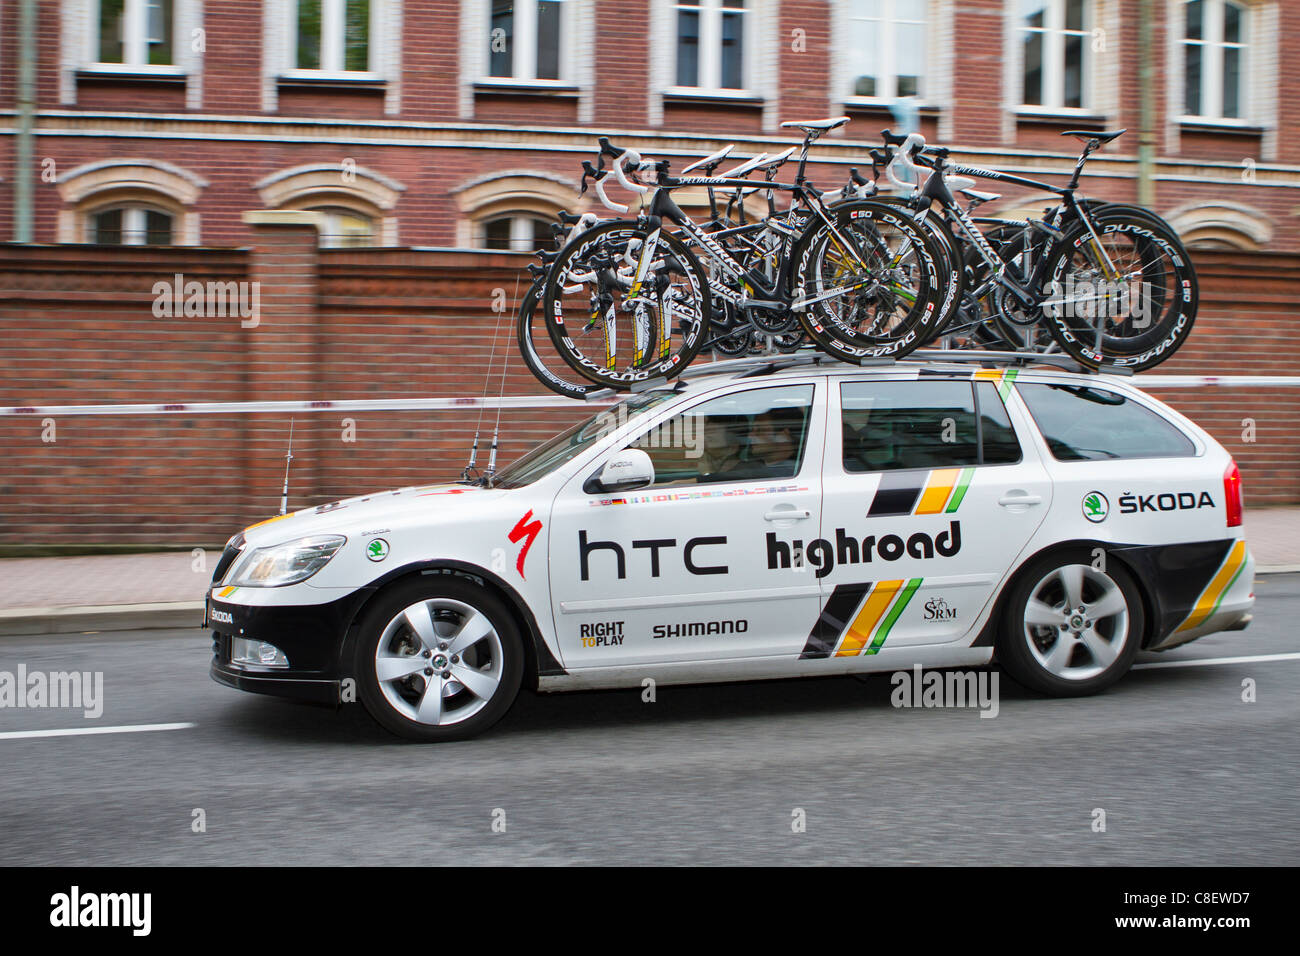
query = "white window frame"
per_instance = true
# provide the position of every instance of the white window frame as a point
(135, 48)
(1212, 46)
(332, 40)
(709, 49)
(1054, 33)
(887, 72)
(524, 61)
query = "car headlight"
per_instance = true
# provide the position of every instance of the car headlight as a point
(286, 563)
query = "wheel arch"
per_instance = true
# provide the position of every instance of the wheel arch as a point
(539, 658)
(987, 636)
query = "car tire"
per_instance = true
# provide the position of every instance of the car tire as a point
(1069, 628)
(438, 658)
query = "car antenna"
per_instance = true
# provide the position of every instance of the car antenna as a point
(470, 474)
(288, 457)
(496, 429)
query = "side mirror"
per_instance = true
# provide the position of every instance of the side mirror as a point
(628, 470)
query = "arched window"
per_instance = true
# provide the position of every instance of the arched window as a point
(130, 202)
(1222, 225)
(357, 203)
(513, 210)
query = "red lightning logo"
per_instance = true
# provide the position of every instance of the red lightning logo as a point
(525, 530)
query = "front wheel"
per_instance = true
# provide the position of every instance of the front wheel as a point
(438, 658)
(1070, 628)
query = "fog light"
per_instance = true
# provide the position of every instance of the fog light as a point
(256, 654)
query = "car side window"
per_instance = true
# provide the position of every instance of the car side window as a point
(930, 423)
(1085, 423)
(752, 435)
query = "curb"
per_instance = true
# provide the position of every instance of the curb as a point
(31, 621)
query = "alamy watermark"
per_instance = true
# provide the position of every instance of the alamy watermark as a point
(953, 688)
(208, 300)
(82, 690)
(1117, 299)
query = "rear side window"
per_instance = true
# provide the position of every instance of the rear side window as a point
(890, 426)
(1083, 423)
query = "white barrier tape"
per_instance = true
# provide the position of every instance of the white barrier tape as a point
(357, 405)
(1220, 381)
(521, 401)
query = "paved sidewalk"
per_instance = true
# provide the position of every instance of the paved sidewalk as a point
(128, 591)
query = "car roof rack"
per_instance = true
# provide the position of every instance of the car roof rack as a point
(755, 365)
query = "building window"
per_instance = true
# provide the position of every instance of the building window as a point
(1054, 44)
(333, 36)
(526, 40)
(885, 48)
(519, 232)
(345, 227)
(711, 44)
(1214, 59)
(135, 32)
(129, 226)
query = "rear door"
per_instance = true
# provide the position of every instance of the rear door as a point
(929, 498)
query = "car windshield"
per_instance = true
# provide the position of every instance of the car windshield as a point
(549, 455)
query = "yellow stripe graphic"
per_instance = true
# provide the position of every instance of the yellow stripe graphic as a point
(1211, 596)
(873, 609)
(937, 491)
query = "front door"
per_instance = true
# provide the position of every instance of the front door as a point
(681, 571)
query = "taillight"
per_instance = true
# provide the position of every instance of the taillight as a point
(1232, 493)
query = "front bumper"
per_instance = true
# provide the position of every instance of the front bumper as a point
(313, 637)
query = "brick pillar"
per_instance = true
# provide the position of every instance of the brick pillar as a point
(806, 71)
(978, 26)
(282, 352)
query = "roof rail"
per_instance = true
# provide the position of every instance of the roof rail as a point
(752, 365)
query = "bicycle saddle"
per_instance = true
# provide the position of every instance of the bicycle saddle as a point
(746, 167)
(821, 125)
(1105, 137)
(712, 160)
(773, 161)
(979, 196)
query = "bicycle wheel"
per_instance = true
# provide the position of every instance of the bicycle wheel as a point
(1128, 302)
(618, 329)
(949, 263)
(870, 287)
(539, 352)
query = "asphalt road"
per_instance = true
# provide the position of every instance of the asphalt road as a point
(1186, 771)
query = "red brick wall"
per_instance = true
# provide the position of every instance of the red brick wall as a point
(77, 326)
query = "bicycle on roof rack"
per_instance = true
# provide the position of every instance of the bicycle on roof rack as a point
(1111, 284)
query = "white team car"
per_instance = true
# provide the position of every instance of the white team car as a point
(761, 519)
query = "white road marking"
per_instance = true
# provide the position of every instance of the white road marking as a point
(1210, 661)
(80, 731)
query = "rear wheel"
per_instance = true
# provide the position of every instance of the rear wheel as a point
(1128, 301)
(1070, 628)
(438, 658)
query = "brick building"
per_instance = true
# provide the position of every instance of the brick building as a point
(462, 122)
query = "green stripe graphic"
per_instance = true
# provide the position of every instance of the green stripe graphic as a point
(963, 482)
(1004, 389)
(893, 615)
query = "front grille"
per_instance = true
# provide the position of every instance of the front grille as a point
(228, 557)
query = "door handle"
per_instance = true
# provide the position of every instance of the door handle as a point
(789, 514)
(1012, 499)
